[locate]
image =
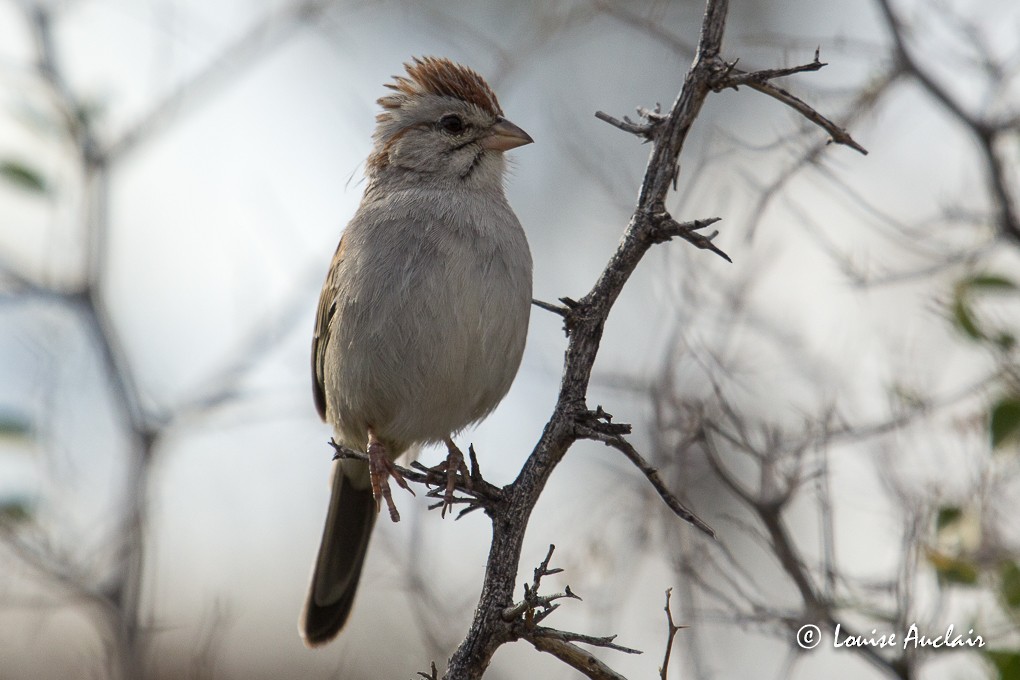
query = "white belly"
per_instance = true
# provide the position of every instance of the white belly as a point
(419, 354)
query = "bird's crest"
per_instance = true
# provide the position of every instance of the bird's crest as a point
(437, 76)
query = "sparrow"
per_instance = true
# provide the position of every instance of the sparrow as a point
(423, 316)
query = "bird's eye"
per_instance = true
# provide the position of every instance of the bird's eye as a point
(452, 124)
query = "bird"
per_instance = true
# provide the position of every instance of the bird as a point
(423, 316)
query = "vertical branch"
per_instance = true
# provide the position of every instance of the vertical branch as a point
(125, 592)
(120, 611)
(585, 322)
(672, 630)
(685, 109)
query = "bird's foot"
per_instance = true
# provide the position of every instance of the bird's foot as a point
(380, 470)
(453, 466)
(453, 475)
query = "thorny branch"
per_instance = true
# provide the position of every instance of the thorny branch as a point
(761, 81)
(672, 630)
(534, 608)
(532, 601)
(649, 471)
(584, 321)
(481, 494)
(729, 76)
(838, 134)
(576, 658)
(737, 77)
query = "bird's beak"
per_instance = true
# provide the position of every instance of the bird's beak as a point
(504, 136)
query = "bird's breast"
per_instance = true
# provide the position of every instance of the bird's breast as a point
(431, 322)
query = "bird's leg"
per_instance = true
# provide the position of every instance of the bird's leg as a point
(380, 468)
(453, 464)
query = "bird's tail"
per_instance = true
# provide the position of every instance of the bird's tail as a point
(341, 556)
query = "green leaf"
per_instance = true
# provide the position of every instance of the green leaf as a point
(1009, 573)
(953, 569)
(1007, 663)
(1004, 423)
(962, 313)
(990, 282)
(22, 176)
(13, 426)
(947, 515)
(964, 318)
(15, 510)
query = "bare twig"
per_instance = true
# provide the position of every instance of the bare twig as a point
(728, 76)
(737, 77)
(549, 307)
(838, 134)
(644, 130)
(673, 629)
(761, 81)
(606, 641)
(651, 474)
(860, 105)
(575, 657)
(482, 493)
(525, 616)
(532, 600)
(666, 228)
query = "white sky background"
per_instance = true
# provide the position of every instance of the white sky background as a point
(229, 214)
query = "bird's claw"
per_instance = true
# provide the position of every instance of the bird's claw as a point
(380, 470)
(453, 466)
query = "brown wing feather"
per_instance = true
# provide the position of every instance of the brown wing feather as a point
(320, 339)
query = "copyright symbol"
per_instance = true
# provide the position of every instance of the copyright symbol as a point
(809, 636)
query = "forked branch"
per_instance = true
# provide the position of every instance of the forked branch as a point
(673, 629)
(526, 615)
(584, 322)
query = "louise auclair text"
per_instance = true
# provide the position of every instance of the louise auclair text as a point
(913, 638)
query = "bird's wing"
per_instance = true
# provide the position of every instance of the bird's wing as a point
(320, 339)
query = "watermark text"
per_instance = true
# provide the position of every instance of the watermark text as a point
(810, 636)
